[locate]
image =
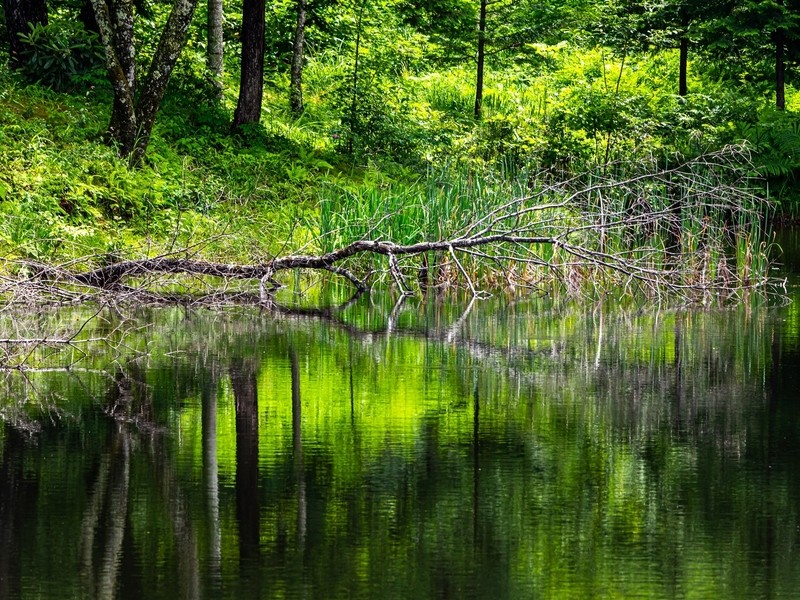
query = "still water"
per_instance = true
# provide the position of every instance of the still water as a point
(527, 449)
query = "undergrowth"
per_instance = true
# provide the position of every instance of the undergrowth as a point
(419, 159)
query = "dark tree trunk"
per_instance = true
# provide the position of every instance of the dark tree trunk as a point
(123, 126)
(780, 71)
(354, 101)
(121, 19)
(683, 62)
(169, 50)
(481, 59)
(251, 82)
(780, 64)
(86, 17)
(683, 87)
(18, 14)
(296, 91)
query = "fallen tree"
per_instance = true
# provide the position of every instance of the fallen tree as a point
(692, 232)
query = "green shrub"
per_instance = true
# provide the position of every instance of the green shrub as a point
(61, 55)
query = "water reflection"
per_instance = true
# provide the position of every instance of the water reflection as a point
(412, 450)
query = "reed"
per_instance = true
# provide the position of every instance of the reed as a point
(646, 230)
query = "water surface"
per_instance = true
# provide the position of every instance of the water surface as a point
(527, 449)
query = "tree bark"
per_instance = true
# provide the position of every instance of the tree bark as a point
(296, 88)
(18, 14)
(123, 125)
(481, 59)
(132, 119)
(251, 82)
(169, 50)
(121, 21)
(215, 45)
(683, 87)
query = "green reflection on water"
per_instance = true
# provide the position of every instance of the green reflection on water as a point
(417, 450)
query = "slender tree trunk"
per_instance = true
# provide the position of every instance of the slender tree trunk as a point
(123, 126)
(18, 14)
(481, 59)
(296, 91)
(354, 101)
(683, 87)
(248, 109)
(780, 74)
(86, 17)
(215, 45)
(780, 69)
(683, 67)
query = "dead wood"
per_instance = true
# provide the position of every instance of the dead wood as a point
(667, 232)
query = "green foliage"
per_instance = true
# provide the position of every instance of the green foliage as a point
(775, 140)
(555, 101)
(62, 55)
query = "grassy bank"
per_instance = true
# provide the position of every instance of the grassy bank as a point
(418, 160)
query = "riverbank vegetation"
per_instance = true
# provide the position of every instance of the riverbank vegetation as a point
(635, 142)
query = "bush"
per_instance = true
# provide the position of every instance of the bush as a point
(61, 55)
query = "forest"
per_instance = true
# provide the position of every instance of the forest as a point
(247, 348)
(570, 145)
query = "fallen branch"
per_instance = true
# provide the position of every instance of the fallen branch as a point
(671, 231)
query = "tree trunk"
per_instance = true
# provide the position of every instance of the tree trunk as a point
(481, 58)
(354, 100)
(121, 20)
(123, 126)
(251, 82)
(18, 14)
(296, 91)
(131, 119)
(683, 87)
(780, 70)
(87, 17)
(169, 50)
(215, 45)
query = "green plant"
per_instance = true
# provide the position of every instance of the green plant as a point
(61, 55)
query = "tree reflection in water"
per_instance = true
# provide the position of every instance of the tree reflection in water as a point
(603, 454)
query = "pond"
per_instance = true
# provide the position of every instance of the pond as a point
(428, 449)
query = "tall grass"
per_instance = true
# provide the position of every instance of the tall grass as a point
(695, 228)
